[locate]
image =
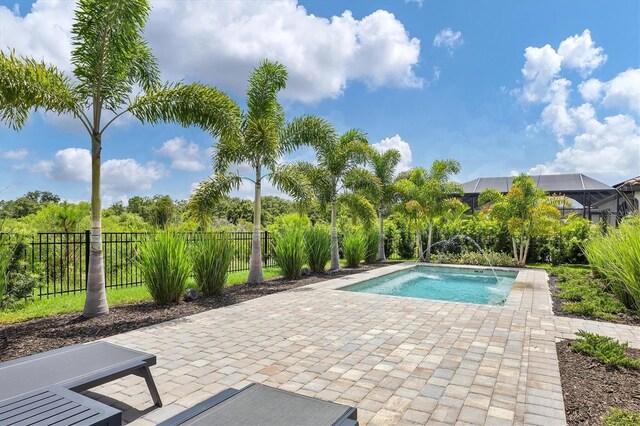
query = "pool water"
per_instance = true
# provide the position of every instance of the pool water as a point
(450, 284)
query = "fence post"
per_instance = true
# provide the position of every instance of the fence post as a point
(265, 245)
(87, 251)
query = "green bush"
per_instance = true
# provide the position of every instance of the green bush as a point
(608, 350)
(619, 417)
(211, 258)
(317, 242)
(354, 247)
(165, 266)
(6, 253)
(616, 257)
(289, 251)
(488, 258)
(371, 237)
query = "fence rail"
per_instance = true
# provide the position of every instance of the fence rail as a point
(63, 258)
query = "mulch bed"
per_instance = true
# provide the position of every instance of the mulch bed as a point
(621, 318)
(43, 334)
(591, 388)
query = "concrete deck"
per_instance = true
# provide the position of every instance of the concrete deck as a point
(398, 360)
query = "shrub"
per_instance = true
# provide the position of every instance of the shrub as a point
(371, 239)
(165, 266)
(211, 258)
(289, 251)
(616, 257)
(6, 253)
(619, 417)
(488, 258)
(317, 243)
(354, 248)
(608, 350)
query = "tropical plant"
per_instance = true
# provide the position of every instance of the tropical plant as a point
(111, 59)
(289, 251)
(616, 257)
(263, 138)
(317, 242)
(371, 240)
(527, 212)
(607, 350)
(338, 168)
(211, 257)
(165, 266)
(354, 247)
(384, 167)
(486, 258)
(428, 195)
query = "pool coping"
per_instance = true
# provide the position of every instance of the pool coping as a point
(512, 301)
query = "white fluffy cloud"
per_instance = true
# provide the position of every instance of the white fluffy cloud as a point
(622, 91)
(118, 175)
(580, 52)
(14, 155)
(185, 155)
(220, 43)
(396, 142)
(449, 39)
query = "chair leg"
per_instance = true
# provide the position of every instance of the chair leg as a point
(153, 390)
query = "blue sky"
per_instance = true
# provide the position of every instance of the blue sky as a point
(445, 79)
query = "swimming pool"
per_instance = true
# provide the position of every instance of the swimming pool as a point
(440, 283)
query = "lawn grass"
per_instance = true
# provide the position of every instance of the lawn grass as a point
(39, 308)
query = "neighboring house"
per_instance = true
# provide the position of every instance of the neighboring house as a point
(626, 200)
(587, 193)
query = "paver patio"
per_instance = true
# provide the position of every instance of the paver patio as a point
(398, 360)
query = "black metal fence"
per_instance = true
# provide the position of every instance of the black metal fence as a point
(63, 258)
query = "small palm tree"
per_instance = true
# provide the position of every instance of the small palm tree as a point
(110, 59)
(264, 138)
(384, 167)
(339, 167)
(428, 195)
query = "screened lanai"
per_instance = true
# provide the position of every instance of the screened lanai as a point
(584, 190)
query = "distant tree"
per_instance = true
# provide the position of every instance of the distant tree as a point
(526, 210)
(340, 162)
(428, 195)
(116, 209)
(111, 60)
(264, 139)
(68, 217)
(27, 204)
(163, 210)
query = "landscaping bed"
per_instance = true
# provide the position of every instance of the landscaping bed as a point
(43, 334)
(558, 308)
(591, 388)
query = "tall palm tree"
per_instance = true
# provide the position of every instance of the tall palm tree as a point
(340, 166)
(428, 194)
(111, 59)
(264, 138)
(384, 167)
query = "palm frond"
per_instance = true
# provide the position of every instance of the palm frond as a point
(289, 179)
(210, 191)
(358, 207)
(307, 130)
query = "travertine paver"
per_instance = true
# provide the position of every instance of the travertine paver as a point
(399, 360)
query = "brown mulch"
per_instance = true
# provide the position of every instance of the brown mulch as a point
(43, 334)
(591, 388)
(621, 318)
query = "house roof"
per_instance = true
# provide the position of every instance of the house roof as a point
(575, 182)
(629, 183)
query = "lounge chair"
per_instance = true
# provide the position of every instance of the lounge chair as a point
(40, 389)
(77, 368)
(257, 404)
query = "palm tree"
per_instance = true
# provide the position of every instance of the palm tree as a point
(526, 210)
(384, 168)
(428, 194)
(110, 59)
(264, 138)
(339, 167)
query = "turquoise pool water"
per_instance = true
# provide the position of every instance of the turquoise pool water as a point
(451, 284)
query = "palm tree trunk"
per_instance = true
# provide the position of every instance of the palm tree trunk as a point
(381, 255)
(515, 250)
(419, 244)
(526, 251)
(335, 253)
(255, 264)
(96, 299)
(428, 257)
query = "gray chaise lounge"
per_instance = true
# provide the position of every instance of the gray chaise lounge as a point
(54, 374)
(262, 405)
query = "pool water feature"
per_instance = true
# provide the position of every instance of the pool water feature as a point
(440, 283)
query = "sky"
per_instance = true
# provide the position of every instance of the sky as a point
(501, 86)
